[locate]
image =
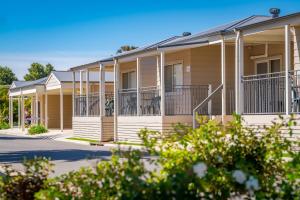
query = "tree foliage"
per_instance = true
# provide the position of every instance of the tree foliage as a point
(37, 71)
(126, 48)
(6, 76)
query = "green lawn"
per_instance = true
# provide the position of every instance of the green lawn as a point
(83, 139)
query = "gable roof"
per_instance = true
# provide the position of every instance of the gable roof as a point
(22, 84)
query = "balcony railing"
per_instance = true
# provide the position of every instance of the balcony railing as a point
(181, 100)
(264, 93)
(150, 101)
(94, 105)
(128, 102)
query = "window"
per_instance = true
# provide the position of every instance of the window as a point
(268, 66)
(129, 80)
(173, 76)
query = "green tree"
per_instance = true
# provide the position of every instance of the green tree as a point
(37, 71)
(6, 76)
(126, 48)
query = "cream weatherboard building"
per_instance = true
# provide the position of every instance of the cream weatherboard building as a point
(50, 98)
(249, 66)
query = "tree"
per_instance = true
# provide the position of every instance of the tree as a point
(6, 76)
(126, 48)
(37, 71)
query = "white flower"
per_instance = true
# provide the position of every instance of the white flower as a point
(252, 184)
(239, 176)
(200, 169)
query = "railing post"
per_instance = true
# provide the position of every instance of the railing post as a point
(209, 104)
(241, 73)
(36, 108)
(287, 69)
(46, 109)
(61, 101)
(22, 112)
(138, 90)
(102, 90)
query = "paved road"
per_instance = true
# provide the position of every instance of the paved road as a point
(66, 156)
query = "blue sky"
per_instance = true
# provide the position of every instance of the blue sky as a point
(67, 33)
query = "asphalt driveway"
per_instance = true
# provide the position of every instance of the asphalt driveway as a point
(66, 156)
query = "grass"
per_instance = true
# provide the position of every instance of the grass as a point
(129, 143)
(83, 139)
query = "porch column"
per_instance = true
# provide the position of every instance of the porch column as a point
(19, 112)
(22, 112)
(31, 110)
(287, 69)
(36, 108)
(10, 111)
(73, 93)
(87, 91)
(162, 83)
(239, 72)
(46, 109)
(61, 101)
(116, 95)
(157, 72)
(223, 78)
(138, 82)
(102, 90)
(80, 82)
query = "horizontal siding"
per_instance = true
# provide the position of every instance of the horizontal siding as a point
(87, 127)
(108, 128)
(129, 127)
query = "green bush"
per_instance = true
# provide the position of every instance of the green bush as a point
(37, 129)
(4, 125)
(210, 162)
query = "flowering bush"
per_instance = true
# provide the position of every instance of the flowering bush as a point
(23, 185)
(210, 162)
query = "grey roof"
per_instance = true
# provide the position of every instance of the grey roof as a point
(230, 27)
(22, 84)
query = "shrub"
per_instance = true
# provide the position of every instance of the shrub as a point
(18, 185)
(37, 129)
(210, 162)
(4, 125)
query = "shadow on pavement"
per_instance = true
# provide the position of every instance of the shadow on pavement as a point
(68, 155)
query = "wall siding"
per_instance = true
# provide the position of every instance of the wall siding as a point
(87, 127)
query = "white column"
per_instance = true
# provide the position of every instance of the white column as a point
(61, 100)
(138, 86)
(87, 91)
(36, 108)
(10, 112)
(237, 74)
(162, 83)
(46, 109)
(102, 90)
(32, 110)
(241, 73)
(223, 78)
(116, 90)
(80, 82)
(287, 69)
(157, 72)
(22, 112)
(73, 93)
(19, 112)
